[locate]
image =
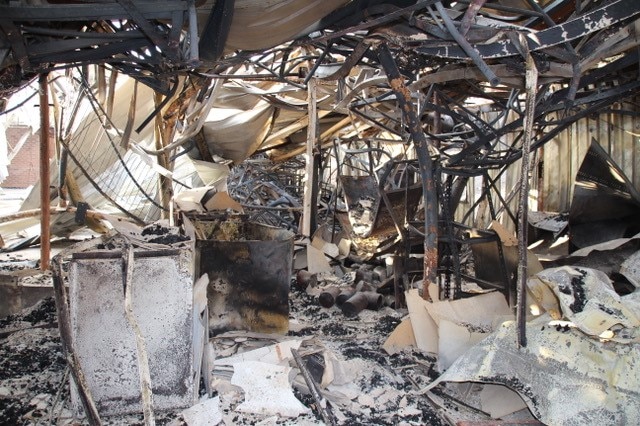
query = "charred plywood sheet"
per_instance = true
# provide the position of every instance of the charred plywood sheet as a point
(105, 342)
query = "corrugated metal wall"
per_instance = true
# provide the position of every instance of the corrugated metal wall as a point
(618, 134)
(557, 164)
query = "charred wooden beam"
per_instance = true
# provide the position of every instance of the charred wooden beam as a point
(421, 144)
(321, 403)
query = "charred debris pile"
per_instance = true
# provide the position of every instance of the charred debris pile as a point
(325, 212)
(220, 318)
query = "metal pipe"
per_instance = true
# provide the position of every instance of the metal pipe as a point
(425, 163)
(466, 46)
(470, 15)
(45, 218)
(360, 301)
(305, 278)
(344, 296)
(328, 297)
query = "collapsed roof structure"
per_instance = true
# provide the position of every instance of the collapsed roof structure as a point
(419, 120)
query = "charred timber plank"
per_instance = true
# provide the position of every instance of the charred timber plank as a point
(429, 193)
(602, 18)
(68, 347)
(94, 11)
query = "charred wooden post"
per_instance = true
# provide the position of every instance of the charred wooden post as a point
(424, 160)
(328, 297)
(398, 270)
(141, 346)
(45, 222)
(531, 84)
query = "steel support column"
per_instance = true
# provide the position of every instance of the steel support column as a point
(421, 144)
(45, 218)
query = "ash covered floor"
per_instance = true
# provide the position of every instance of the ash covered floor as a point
(34, 385)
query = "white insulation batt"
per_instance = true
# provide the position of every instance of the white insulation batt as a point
(566, 376)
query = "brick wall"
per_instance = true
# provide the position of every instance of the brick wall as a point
(24, 169)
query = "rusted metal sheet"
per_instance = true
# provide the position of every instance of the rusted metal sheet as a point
(605, 203)
(249, 267)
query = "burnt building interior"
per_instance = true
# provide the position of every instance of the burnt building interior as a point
(319, 212)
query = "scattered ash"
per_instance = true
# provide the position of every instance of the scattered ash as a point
(43, 312)
(312, 310)
(169, 239)
(352, 350)
(387, 324)
(577, 284)
(31, 365)
(165, 235)
(335, 329)
(155, 229)
(475, 328)
(306, 331)
(563, 328)
(107, 246)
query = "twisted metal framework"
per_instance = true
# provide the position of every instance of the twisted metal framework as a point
(461, 70)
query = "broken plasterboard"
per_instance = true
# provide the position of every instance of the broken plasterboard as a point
(424, 328)
(454, 340)
(478, 311)
(267, 390)
(205, 413)
(316, 260)
(278, 354)
(401, 337)
(500, 401)
(587, 298)
(630, 268)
